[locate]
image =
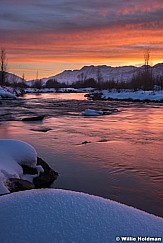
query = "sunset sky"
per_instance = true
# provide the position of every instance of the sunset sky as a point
(53, 35)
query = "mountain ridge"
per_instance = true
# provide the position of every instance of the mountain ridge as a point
(103, 72)
(99, 73)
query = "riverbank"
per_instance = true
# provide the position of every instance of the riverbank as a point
(127, 95)
(122, 95)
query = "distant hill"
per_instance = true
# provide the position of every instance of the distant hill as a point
(12, 78)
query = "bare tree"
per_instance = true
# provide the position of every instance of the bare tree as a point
(23, 77)
(148, 75)
(146, 59)
(99, 75)
(3, 66)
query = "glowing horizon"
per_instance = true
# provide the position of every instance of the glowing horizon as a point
(51, 37)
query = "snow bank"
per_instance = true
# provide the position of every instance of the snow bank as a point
(42, 90)
(5, 94)
(60, 90)
(14, 153)
(126, 94)
(54, 216)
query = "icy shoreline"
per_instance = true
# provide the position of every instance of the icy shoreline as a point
(124, 95)
(128, 95)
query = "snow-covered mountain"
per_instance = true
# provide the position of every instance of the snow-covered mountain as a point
(99, 73)
(102, 73)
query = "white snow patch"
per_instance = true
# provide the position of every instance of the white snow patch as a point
(91, 112)
(6, 94)
(42, 90)
(14, 153)
(53, 216)
(60, 90)
(39, 168)
(128, 94)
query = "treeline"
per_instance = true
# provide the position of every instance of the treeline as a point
(139, 81)
(143, 79)
(21, 85)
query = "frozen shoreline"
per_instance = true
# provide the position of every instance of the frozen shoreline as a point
(124, 95)
(128, 95)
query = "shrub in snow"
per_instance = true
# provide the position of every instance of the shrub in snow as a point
(56, 216)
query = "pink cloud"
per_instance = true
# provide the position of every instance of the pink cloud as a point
(103, 13)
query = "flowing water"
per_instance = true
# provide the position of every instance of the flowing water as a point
(118, 156)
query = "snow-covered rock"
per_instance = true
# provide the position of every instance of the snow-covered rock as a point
(56, 216)
(21, 169)
(13, 154)
(91, 112)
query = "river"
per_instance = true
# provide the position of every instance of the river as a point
(118, 156)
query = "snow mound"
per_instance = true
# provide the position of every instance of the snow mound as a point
(13, 154)
(54, 216)
(91, 112)
(5, 94)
